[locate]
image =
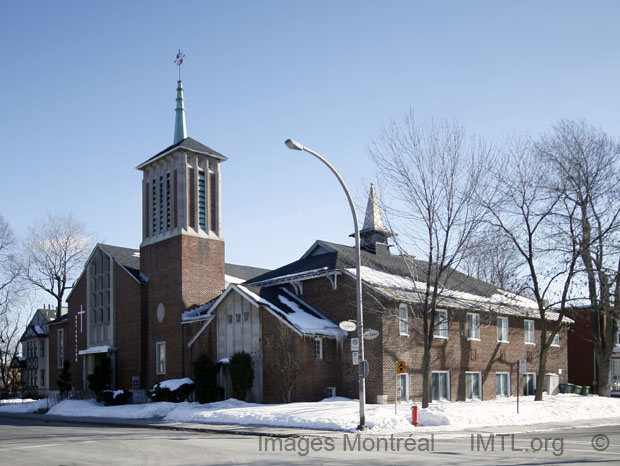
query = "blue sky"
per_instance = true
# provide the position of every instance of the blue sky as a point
(88, 89)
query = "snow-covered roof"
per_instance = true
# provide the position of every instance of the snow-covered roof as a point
(297, 314)
(406, 289)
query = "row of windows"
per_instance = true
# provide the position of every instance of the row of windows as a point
(473, 327)
(473, 385)
(34, 349)
(31, 379)
(246, 317)
(164, 209)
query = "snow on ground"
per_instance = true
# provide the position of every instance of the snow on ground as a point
(90, 408)
(22, 406)
(341, 414)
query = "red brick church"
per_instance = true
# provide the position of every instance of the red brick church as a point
(155, 309)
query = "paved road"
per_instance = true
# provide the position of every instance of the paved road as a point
(37, 442)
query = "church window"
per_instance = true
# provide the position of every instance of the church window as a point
(230, 319)
(246, 316)
(168, 201)
(318, 349)
(99, 301)
(61, 347)
(202, 214)
(161, 203)
(160, 357)
(192, 197)
(154, 205)
(213, 196)
(238, 318)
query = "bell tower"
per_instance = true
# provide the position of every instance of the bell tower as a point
(182, 249)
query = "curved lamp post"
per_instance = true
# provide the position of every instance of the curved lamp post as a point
(291, 144)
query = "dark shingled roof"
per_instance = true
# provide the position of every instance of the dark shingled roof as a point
(244, 272)
(127, 257)
(339, 257)
(188, 144)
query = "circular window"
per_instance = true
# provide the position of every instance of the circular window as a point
(161, 312)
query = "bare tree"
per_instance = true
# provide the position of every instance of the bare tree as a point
(287, 359)
(586, 168)
(10, 323)
(541, 227)
(429, 174)
(493, 259)
(55, 252)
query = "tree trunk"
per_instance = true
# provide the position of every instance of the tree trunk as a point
(542, 369)
(603, 365)
(426, 374)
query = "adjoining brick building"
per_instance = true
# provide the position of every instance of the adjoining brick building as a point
(153, 311)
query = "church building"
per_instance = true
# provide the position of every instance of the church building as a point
(152, 311)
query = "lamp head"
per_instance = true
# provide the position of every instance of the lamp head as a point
(292, 144)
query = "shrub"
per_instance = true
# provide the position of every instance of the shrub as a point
(205, 374)
(64, 379)
(178, 395)
(99, 380)
(114, 398)
(241, 374)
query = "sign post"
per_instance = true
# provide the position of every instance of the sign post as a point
(401, 368)
(522, 370)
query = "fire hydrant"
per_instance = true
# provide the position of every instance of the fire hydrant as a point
(414, 415)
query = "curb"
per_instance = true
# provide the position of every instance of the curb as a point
(114, 422)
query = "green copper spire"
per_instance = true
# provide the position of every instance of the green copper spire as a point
(180, 131)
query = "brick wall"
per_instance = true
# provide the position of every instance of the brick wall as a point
(127, 328)
(581, 363)
(182, 271)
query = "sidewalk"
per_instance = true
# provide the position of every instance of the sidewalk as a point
(286, 432)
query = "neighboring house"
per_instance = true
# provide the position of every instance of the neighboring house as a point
(582, 356)
(153, 311)
(34, 360)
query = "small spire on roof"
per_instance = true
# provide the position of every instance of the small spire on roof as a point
(373, 231)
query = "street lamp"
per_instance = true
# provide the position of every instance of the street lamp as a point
(291, 144)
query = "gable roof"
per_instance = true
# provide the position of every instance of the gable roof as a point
(187, 144)
(127, 258)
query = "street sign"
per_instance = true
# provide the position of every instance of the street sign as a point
(522, 366)
(401, 367)
(347, 325)
(355, 344)
(371, 334)
(364, 369)
(356, 358)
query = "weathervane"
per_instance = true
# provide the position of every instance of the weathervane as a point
(179, 61)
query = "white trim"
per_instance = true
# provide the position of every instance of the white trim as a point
(318, 341)
(479, 374)
(503, 319)
(406, 397)
(403, 322)
(507, 374)
(158, 354)
(439, 322)
(447, 381)
(525, 333)
(473, 338)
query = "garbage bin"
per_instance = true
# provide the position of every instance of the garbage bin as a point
(564, 388)
(576, 389)
(585, 391)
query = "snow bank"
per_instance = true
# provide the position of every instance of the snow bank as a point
(22, 406)
(341, 414)
(90, 408)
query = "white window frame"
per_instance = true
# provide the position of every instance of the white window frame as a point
(331, 392)
(318, 349)
(502, 330)
(447, 373)
(441, 324)
(160, 358)
(506, 386)
(527, 333)
(479, 375)
(403, 321)
(470, 327)
(556, 340)
(405, 396)
(523, 378)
